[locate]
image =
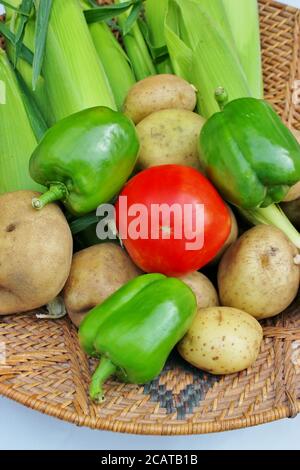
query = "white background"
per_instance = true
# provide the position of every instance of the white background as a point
(21, 428)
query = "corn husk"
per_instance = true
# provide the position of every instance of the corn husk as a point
(136, 48)
(114, 60)
(203, 55)
(75, 77)
(243, 16)
(155, 13)
(17, 139)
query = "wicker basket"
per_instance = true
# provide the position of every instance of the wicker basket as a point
(46, 370)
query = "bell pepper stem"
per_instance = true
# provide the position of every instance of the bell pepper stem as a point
(104, 370)
(221, 96)
(56, 192)
(273, 215)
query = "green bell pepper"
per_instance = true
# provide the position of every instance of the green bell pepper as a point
(134, 330)
(248, 153)
(85, 159)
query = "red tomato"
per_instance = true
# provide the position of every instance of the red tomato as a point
(183, 242)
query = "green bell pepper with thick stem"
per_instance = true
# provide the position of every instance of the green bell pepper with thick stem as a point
(252, 158)
(85, 159)
(134, 330)
(249, 154)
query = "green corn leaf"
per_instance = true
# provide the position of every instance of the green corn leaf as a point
(74, 76)
(17, 141)
(132, 17)
(82, 223)
(114, 60)
(180, 54)
(108, 12)
(35, 117)
(203, 55)
(24, 53)
(155, 13)
(26, 6)
(243, 16)
(157, 52)
(136, 48)
(12, 7)
(43, 11)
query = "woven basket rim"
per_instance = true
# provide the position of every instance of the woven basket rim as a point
(155, 429)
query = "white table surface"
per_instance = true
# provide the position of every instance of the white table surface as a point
(21, 428)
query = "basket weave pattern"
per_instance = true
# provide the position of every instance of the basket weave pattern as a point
(45, 368)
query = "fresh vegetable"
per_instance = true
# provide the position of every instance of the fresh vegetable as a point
(135, 46)
(134, 330)
(155, 13)
(202, 52)
(243, 17)
(39, 95)
(234, 233)
(222, 340)
(170, 137)
(254, 161)
(85, 159)
(292, 211)
(203, 289)
(96, 273)
(35, 253)
(260, 272)
(114, 60)
(179, 240)
(17, 136)
(74, 75)
(294, 192)
(156, 93)
(255, 158)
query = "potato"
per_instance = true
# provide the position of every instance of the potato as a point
(96, 273)
(292, 211)
(170, 137)
(234, 233)
(156, 93)
(222, 340)
(203, 289)
(35, 253)
(259, 274)
(293, 194)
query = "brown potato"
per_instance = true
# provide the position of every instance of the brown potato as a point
(159, 92)
(258, 273)
(203, 289)
(292, 211)
(170, 137)
(35, 253)
(96, 273)
(222, 340)
(293, 194)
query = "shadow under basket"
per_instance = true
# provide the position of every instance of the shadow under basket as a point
(46, 370)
